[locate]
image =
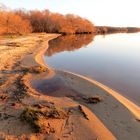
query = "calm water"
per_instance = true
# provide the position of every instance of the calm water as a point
(113, 60)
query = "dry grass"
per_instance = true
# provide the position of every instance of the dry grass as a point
(38, 116)
(93, 99)
(37, 69)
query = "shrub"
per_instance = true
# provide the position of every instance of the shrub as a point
(10, 23)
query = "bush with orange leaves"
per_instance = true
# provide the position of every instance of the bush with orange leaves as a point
(22, 22)
(46, 21)
(11, 23)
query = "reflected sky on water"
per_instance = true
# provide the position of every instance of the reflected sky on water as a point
(113, 60)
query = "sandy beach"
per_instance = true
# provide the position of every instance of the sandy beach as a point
(38, 102)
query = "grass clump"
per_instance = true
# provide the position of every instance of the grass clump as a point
(56, 113)
(31, 116)
(93, 99)
(38, 117)
(13, 44)
(37, 69)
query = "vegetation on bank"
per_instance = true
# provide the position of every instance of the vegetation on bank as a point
(109, 30)
(22, 22)
(38, 116)
(11, 23)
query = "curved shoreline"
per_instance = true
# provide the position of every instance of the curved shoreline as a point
(94, 122)
(127, 103)
(38, 56)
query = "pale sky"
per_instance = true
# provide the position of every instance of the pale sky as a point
(100, 12)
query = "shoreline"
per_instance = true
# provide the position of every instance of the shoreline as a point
(135, 109)
(67, 91)
(38, 57)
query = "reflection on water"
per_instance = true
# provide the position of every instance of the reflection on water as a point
(68, 43)
(113, 60)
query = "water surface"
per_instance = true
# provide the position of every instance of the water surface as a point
(113, 60)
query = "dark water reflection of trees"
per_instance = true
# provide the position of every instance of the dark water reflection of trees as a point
(68, 43)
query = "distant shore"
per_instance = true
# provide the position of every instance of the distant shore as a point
(21, 77)
(112, 30)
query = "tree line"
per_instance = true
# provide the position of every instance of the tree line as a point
(11, 23)
(110, 30)
(22, 22)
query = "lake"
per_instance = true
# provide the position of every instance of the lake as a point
(113, 60)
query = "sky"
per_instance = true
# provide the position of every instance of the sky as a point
(100, 12)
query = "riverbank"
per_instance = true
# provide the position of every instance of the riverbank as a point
(60, 83)
(66, 111)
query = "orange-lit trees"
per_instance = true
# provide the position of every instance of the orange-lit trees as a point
(21, 22)
(37, 21)
(80, 25)
(45, 21)
(2, 22)
(41, 21)
(10, 23)
(59, 23)
(16, 25)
